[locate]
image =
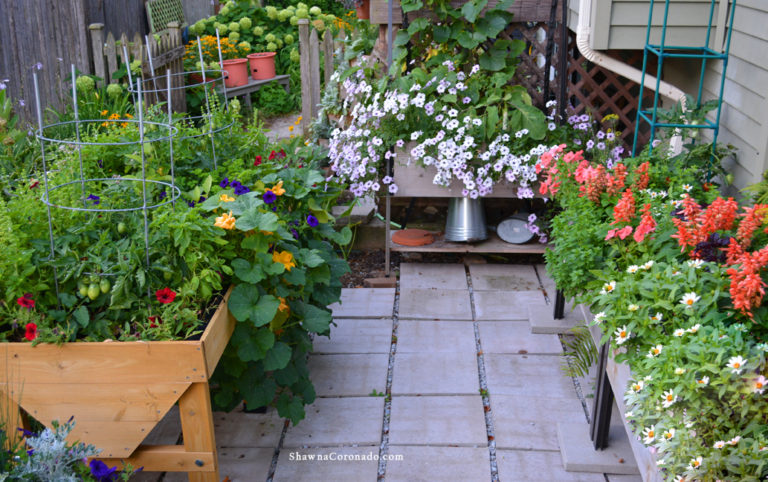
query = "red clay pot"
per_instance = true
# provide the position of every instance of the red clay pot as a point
(262, 65)
(236, 72)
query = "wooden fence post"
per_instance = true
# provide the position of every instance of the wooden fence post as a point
(328, 55)
(314, 68)
(110, 50)
(178, 95)
(97, 43)
(306, 76)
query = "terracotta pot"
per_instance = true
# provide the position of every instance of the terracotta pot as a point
(262, 65)
(364, 10)
(236, 72)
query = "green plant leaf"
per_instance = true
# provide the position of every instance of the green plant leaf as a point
(316, 320)
(472, 9)
(246, 271)
(441, 33)
(246, 304)
(532, 119)
(260, 393)
(81, 316)
(290, 408)
(277, 357)
(418, 25)
(401, 38)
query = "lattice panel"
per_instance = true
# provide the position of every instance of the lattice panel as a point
(532, 70)
(161, 12)
(601, 92)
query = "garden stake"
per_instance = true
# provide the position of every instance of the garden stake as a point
(144, 181)
(207, 99)
(170, 122)
(77, 131)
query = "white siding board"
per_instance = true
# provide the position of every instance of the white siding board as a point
(752, 21)
(633, 38)
(746, 74)
(750, 48)
(636, 13)
(749, 103)
(741, 125)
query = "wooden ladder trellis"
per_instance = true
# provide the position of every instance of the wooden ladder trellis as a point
(309, 62)
(167, 51)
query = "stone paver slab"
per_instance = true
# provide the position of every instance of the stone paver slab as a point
(416, 336)
(546, 280)
(516, 337)
(348, 375)
(504, 305)
(530, 423)
(432, 275)
(542, 320)
(236, 464)
(503, 277)
(435, 374)
(339, 421)
(434, 304)
(530, 375)
(430, 464)
(624, 478)
(356, 336)
(342, 464)
(364, 303)
(451, 420)
(578, 453)
(240, 429)
(538, 466)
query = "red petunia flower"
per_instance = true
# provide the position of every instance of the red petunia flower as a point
(165, 295)
(272, 155)
(154, 321)
(31, 331)
(26, 301)
(257, 160)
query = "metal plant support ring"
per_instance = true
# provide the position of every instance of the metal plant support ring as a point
(176, 194)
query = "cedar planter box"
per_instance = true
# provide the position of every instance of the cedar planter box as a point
(119, 391)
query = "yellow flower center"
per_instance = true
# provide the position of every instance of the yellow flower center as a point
(670, 398)
(623, 334)
(736, 365)
(651, 434)
(758, 384)
(689, 301)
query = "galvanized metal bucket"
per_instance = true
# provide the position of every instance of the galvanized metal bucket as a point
(466, 220)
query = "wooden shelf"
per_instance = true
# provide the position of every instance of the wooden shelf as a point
(493, 244)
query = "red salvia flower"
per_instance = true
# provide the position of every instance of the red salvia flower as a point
(165, 295)
(30, 331)
(615, 182)
(624, 211)
(647, 224)
(641, 177)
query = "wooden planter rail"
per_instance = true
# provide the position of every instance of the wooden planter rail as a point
(118, 391)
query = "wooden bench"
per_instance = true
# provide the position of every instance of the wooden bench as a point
(254, 85)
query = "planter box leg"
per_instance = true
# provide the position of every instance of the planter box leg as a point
(197, 428)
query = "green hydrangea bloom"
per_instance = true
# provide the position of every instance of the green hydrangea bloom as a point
(223, 29)
(234, 27)
(294, 20)
(244, 46)
(315, 11)
(114, 90)
(302, 5)
(245, 23)
(258, 31)
(295, 56)
(234, 36)
(271, 12)
(288, 39)
(85, 83)
(283, 15)
(302, 13)
(271, 47)
(270, 37)
(279, 43)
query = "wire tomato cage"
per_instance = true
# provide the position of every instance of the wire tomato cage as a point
(167, 85)
(60, 196)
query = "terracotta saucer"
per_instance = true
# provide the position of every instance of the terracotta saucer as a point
(413, 237)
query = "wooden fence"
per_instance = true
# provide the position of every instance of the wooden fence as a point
(167, 54)
(45, 36)
(309, 51)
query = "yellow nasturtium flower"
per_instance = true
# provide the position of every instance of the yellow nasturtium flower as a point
(226, 199)
(285, 258)
(225, 221)
(277, 189)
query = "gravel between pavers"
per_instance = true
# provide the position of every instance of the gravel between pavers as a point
(384, 447)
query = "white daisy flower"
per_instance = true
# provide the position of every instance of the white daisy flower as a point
(633, 269)
(647, 265)
(694, 328)
(608, 288)
(633, 307)
(687, 187)
(657, 317)
(719, 444)
(736, 364)
(654, 351)
(679, 332)
(679, 371)
(637, 386)
(690, 298)
(695, 263)
(668, 398)
(703, 381)
(759, 385)
(669, 434)
(695, 463)
(599, 317)
(628, 414)
(649, 435)
(734, 440)
(622, 335)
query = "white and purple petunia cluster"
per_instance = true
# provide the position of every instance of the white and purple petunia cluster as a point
(449, 138)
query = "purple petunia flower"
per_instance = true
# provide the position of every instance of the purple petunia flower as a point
(295, 233)
(224, 183)
(163, 195)
(240, 189)
(92, 197)
(312, 221)
(101, 472)
(269, 197)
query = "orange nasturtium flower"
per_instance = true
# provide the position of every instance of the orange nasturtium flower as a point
(225, 221)
(226, 199)
(277, 189)
(283, 305)
(285, 258)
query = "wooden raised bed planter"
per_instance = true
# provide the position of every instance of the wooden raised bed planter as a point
(119, 391)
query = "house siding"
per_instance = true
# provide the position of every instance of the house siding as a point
(744, 118)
